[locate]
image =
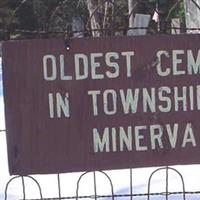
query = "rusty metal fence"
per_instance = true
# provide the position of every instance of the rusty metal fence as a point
(105, 185)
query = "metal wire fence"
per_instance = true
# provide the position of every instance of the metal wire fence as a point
(104, 179)
(60, 182)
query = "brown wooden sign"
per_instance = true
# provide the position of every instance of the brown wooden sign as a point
(106, 103)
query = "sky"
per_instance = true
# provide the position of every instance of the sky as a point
(120, 178)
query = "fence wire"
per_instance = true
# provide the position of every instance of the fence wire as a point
(166, 194)
(67, 33)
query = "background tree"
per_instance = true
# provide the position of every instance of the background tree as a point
(6, 12)
(51, 18)
(101, 16)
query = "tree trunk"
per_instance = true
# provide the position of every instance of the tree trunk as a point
(101, 17)
(131, 4)
(95, 19)
(164, 8)
(108, 18)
